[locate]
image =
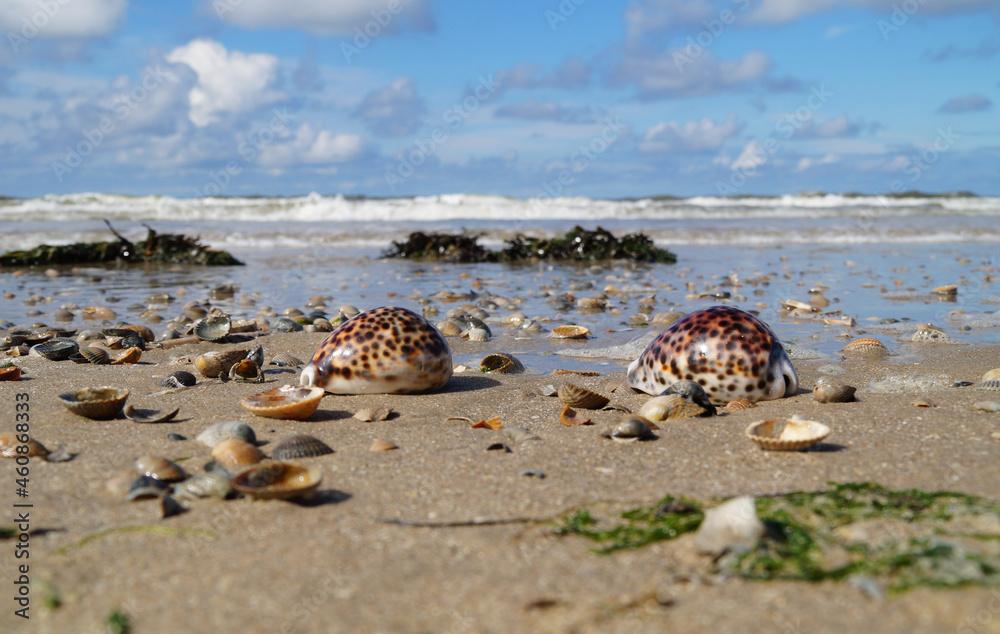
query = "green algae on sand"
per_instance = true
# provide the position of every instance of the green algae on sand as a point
(902, 538)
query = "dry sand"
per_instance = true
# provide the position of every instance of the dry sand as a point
(261, 566)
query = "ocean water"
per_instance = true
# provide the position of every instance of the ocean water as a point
(877, 257)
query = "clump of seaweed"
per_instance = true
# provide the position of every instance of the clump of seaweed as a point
(577, 245)
(163, 248)
(902, 538)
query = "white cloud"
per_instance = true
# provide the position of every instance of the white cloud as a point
(649, 17)
(704, 134)
(807, 162)
(750, 158)
(677, 73)
(782, 11)
(310, 146)
(393, 110)
(60, 18)
(228, 82)
(336, 17)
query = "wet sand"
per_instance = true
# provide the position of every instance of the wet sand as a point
(334, 566)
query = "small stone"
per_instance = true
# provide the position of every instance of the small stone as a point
(175, 437)
(961, 384)
(534, 473)
(827, 390)
(731, 526)
(170, 507)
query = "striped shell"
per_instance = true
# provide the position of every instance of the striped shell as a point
(300, 446)
(866, 347)
(95, 355)
(97, 403)
(738, 405)
(789, 434)
(581, 397)
(991, 380)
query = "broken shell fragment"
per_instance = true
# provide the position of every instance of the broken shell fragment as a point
(380, 445)
(97, 403)
(928, 333)
(246, 370)
(9, 447)
(501, 363)
(288, 402)
(571, 418)
(149, 416)
(300, 446)
(790, 434)
(277, 480)
(576, 396)
(10, 373)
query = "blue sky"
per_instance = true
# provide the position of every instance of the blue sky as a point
(523, 98)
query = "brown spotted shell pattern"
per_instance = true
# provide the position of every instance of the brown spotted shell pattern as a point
(385, 350)
(727, 351)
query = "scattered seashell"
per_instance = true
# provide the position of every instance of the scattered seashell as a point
(235, 453)
(990, 380)
(477, 334)
(787, 435)
(380, 445)
(570, 331)
(210, 484)
(987, 406)
(284, 324)
(212, 328)
(150, 416)
(277, 480)
(10, 373)
(926, 333)
(300, 446)
(450, 328)
(95, 355)
(732, 526)
(920, 402)
(570, 417)
(288, 402)
(9, 447)
(129, 356)
(170, 507)
(948, 290)
(97, 403)
(55, 349)
(670, 407)
(576, 396)
(218, 432)
(631, 429)
(738, 405)
(285, 360)
(488, 423)
(246, 370)
(376, 415)
(180, 378)
(693, 393)
(865, 347)
(501, 363)
(145, 487)
(794, 304)
(548, 390)
(159, 468)
(826, 390)
(212, 364)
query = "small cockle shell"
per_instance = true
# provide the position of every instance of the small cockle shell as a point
(278, 480)
(580, 397)
(738, 405)
(285, 360)
(927, 333)
(789, 434)
(287, 402)
(55, 349)
(128, 357)
(216, 433)
(570, 331)
(159, 468)
(95, 355)
(865, 347)
(179, 378)
(246, 370)
(97, 403)
(9, 445)
(990, 380)
(150, 416)
(501, 363)
(826, 390)
(212, 364)
(670, 407)
(234, 454)
(212, 328)
(631, 429)
(299, 446)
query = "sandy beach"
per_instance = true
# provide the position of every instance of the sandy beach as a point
(336, 565)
